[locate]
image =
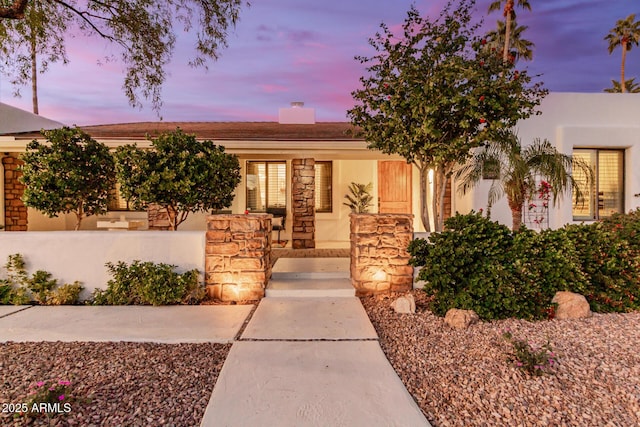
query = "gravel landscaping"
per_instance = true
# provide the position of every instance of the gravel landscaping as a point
(114, 384)
(457, 377)
(464, 378)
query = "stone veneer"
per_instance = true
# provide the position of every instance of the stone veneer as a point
(238, 256)
(303, 235)
(15, 212)
(379, 257)
(158, 217)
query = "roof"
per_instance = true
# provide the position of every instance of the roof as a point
(15, 121)
(228, 130)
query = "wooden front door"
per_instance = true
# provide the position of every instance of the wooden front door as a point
(394, 186)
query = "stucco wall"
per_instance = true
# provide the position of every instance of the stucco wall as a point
(81, 255)
(571, 120)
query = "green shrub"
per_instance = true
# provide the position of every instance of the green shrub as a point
(480, 265)
(611, 265)
(67, 294)
(149, 283)
(466, 267)
(18, 288)
(544, 263)
(626, 227)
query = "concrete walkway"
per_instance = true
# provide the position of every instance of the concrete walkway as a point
(169, 324)
(300, 361)
(310, 361)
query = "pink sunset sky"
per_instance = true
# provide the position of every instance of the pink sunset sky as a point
(302, 50)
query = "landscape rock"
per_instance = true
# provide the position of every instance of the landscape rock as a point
(460, 319)
(405, 304)
(571, 306)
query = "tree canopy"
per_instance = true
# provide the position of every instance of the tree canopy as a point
(29, 45)
(70, 173)
(433, 92)
(179, 173)
(144, 30)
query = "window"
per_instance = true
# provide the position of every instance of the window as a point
(266, 185)
(117, 202)
(606, 195)
(324, 195)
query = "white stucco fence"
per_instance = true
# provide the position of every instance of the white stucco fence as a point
(81, 255)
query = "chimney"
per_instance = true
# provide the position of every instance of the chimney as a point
(296, 114)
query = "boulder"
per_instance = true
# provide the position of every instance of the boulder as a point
(405, 304)
(571, 305)
(460, 319)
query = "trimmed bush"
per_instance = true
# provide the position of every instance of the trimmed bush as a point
(611, 265)
(543, 263)
(480, 265)
(148, 283)
(466, 267)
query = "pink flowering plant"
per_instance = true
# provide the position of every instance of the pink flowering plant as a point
(535, 361)
(49, 398)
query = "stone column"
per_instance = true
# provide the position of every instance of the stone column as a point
(15, 212)
(304, 203)
(379, 257)
(238, 256)
(157, 217)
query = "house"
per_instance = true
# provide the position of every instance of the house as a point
(284, 162)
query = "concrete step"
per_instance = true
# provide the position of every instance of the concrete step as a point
(311, 268)
(299, 287)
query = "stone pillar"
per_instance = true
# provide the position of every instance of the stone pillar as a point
(303, 188)
(15, 212)
(238, 256)
(379, 257)
(158, 217)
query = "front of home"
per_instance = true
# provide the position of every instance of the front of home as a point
(299, 164)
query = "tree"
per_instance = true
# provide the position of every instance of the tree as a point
(509, 14)
(630, 85)
(144, 31)
(434, 93)
(520, 48)
(516, 170)
(40, 35)
(71, 173)
(179, 173)
(625, 34)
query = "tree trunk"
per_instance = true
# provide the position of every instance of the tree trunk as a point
(441, 180)
(508, 11)
(424, 207)
(79, 215)
(623, 86)
(516, 214)
(34, 74)
(171, 213)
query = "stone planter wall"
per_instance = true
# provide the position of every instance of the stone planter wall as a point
(238, 256)
(15, 212)
(303, 190)
(379, 257)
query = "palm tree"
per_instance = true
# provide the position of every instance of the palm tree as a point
(510, 16)
(520, 48)
(515, 170)
(630, 85)
(625, 34)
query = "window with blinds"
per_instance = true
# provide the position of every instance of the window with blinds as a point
(266, 185)
(605, 196)
(323, 186)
